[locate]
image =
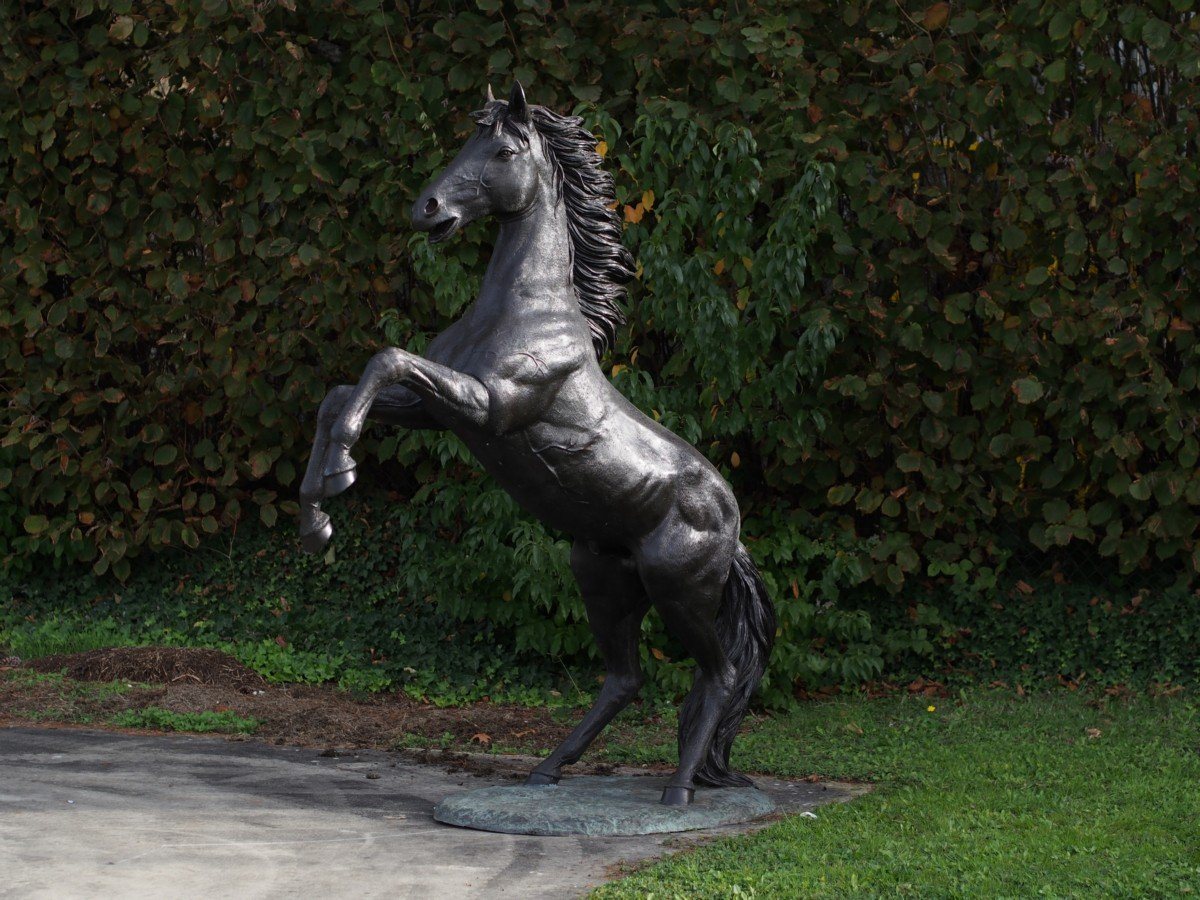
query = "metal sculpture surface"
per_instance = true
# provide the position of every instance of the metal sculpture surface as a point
(518, 379)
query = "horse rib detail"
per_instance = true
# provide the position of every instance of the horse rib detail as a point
(746, 627)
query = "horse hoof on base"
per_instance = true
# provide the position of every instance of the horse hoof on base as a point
(677, 796)
(315, 541)
(336, 483)
(540, 778)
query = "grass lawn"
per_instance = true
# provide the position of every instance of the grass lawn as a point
(988, 795)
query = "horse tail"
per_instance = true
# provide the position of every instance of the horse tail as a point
(746, 628)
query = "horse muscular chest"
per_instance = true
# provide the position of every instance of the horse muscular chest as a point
(554, 424)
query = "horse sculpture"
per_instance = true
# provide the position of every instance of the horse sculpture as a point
(518, 379)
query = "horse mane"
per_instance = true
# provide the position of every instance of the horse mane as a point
(600, 263)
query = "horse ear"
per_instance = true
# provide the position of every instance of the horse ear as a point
(517, 107)
(491, 98)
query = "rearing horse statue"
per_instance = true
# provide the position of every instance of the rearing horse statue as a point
(518, 379)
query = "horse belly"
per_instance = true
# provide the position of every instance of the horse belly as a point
(582, 484)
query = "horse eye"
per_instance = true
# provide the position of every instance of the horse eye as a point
(505, 153)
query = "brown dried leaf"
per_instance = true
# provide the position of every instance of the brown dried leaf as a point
(936, 16)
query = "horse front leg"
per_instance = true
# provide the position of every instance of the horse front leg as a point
(315, 528)
(446, 394)
(395, 406)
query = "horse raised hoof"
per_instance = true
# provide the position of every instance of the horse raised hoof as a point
(540, 778)
(314, 541)
(335, 484)
(673, 795)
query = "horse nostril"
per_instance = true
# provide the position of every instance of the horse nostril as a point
(431, 206)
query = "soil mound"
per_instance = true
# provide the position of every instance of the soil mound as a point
(152, 665)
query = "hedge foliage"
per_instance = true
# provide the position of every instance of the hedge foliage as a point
(299, 618)
(918, 277)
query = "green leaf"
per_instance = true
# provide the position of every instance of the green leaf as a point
(121, 28)
(331, 233)
(285, 472)
(1012, 237)
(839, 494)
(260, 463)
(1156, 33)
(1140, 489)
(1056, 71)
(1056, 511)
(1028, 390)
(177, 284)
(36, 524)
(1001, 445)
(223, 250)
(1061, 24)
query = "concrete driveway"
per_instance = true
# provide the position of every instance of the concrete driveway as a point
(100, 814)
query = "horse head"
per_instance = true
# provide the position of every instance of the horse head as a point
(520, 158)
(501, 171)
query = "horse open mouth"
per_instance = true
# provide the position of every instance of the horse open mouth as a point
(443, 230)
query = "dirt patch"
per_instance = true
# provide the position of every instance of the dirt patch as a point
(326, 717)
(318, 716)
(185, 680)
(153, 665)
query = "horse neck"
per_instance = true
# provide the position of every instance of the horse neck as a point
(532, 258)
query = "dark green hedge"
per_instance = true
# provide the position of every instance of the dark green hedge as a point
(394, 608)
(920, 278)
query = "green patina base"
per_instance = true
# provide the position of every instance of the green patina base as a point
(597, 805)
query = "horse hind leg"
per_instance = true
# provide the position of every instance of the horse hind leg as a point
(315, 527)
(616, 605)
(684, 571)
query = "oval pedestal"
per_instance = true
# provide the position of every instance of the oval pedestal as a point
(599, 805)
